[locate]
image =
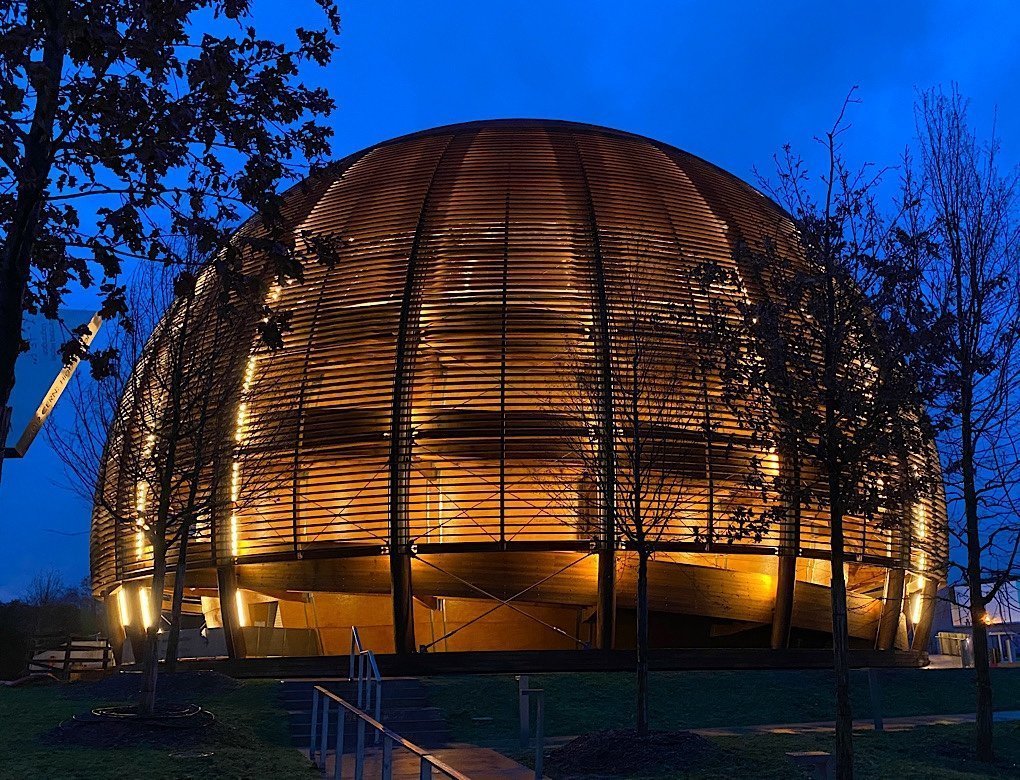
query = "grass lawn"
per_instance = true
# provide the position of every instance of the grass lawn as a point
(928, 752)
(583, 702)
(249, 739)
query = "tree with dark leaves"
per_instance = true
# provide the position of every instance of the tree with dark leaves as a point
(128, 124)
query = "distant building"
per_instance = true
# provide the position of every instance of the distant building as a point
(952, 625)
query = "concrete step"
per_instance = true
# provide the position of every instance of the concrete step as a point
(398, 688)
(423, 739)
(400, 724)
(389, 704)
(471, 761)
(399, 720)
(405, 710)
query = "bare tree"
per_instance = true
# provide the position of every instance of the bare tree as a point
(968, 207)
(156, 445)
(822, 374)
(639, 436)
(47, 587)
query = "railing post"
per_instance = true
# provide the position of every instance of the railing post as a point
(525, 695)
(875, 690)
(315, 718)
(539, 733)
(359, 756)
(341, 724)
(424, 769)
(369, 686)
(350, 659)
(67, 659)
(369, 691)
(387, 757)
(324, 740)
(378, 700)
(361, 680)
(524, 709)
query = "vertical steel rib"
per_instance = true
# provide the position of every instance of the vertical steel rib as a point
(789, 532)
(400, 428)
(427, 370)
(502, 358)
(606, 608)
(299, 419)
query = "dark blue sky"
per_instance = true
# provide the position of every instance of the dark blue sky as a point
(730, 82)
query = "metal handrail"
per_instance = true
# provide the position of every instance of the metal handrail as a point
(317, 751)
(369, 684)
(356, 650)
(369, 680)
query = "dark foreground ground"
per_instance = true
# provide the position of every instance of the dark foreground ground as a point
(579, 703)
(929, 752)
(249, 737)
(483, 710)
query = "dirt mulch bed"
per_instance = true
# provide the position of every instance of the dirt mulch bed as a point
(170, 688)
(171, 728)
(177, 725)
(623, 753)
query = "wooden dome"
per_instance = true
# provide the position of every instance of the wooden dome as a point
(416, 434)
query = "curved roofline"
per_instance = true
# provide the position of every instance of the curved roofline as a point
(516, 122)
(336, 166)
(549, 124)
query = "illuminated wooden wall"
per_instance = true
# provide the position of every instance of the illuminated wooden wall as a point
(420, 405)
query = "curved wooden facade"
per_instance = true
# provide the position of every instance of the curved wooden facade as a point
(416, 435)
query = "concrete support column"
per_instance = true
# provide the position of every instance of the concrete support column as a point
(134, 631)
(787, 474)
(226, 582)
(892, 608)
(606, 608)
(782, 614)
(403, 603)
(116, 632)
(922, 628)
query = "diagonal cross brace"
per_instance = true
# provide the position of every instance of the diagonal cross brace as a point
(504, 602)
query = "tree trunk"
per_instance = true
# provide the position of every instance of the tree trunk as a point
(15, 259)
(834, 465)
(983, 724)
(642, 643)
(173, 638)
(840, 637)
(150, 664)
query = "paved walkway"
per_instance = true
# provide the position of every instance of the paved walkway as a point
(890, 724)
(481, 763)
(476, 762)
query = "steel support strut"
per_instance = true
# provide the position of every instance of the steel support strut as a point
(401, 433)
(504, 602)
(606, 606)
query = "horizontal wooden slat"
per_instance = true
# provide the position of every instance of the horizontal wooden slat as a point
(474, 249)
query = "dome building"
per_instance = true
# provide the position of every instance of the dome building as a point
(437, 453)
